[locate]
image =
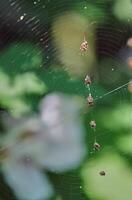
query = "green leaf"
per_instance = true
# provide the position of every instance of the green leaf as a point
(115, 185)
(13, 92)
(118, 118)
(20, 57)
(29, 83)
(91, 12)
(125, 144)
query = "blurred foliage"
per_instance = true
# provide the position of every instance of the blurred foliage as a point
(95, 14)
(20, 58)
(119, 118)
(116, 184)
(125, 144)
(17, 79)
(123, 10)
(25, 79)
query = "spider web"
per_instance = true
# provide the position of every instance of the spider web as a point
(18, 24)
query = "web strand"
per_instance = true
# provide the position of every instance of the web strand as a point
(112, 91)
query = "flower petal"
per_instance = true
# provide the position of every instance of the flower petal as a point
(65, 136)
(26, 181)
(26, 139)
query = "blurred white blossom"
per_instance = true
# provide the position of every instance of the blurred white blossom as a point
(53, 141)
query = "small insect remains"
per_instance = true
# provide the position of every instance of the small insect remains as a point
(102, 173)
(90, 100)
(92, 124)
(84, 45)
(88, 80)
(96, 146)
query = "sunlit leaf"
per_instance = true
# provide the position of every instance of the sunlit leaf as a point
(118, 118)
(29, 83)
(116, 184)
(12, 92)
(125, 144)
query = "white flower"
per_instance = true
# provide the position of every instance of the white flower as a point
(65, 132)
(26, 180)
(53, 141)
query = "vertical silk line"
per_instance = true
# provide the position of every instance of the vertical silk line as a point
(90, 101)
